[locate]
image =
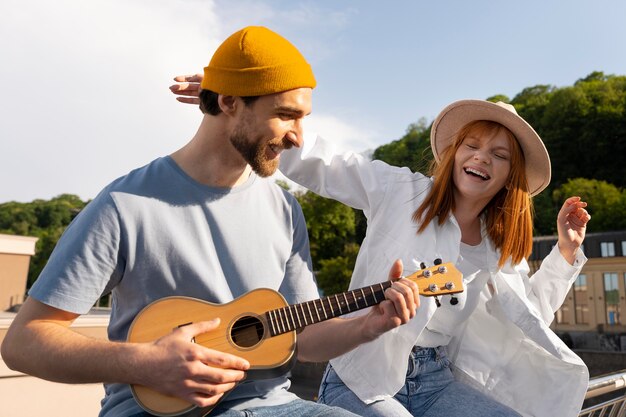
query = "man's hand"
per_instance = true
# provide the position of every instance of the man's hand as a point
(187, 88)
(178, 367)
(400, 305)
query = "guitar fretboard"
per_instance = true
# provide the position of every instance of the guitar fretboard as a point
(293, 317)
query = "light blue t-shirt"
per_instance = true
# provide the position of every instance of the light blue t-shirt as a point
(156, 233)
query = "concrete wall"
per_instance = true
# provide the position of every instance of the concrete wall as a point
(15, 253)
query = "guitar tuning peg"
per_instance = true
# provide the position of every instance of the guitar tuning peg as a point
(438, 261)
(422, 265)
(453, 300)
(437, 301)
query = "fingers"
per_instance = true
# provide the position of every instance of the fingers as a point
(212, 357)
(573, 210)
(188, 100)
(403, 295)
(188, 87)
(185, 88)
(193, 78)
(396, 269)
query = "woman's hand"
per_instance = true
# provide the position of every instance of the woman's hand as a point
(571, 223)
(187, 87)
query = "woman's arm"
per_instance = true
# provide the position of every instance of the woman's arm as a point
(548, 287)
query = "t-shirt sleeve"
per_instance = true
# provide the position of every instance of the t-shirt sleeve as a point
(85, 263)
(299, 283)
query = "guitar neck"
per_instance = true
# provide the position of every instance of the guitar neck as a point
(431, 282)
(296, 316)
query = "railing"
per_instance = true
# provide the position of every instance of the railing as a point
(615, 407)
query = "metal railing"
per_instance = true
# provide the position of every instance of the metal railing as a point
(605, 384)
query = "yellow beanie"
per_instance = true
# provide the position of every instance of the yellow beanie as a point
(256, 61)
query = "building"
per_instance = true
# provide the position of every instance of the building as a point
(15, 253)
(597, 301)
(18, 390)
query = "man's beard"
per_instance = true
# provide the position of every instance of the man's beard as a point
(254, 153)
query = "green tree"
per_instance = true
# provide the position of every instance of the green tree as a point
(334, 274)
(331, 225)
(44, 219)
(606, 202)
(412, 150)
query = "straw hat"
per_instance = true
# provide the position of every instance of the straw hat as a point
(458, 114)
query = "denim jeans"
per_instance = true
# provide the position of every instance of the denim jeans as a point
(299, 408)
(430, 390)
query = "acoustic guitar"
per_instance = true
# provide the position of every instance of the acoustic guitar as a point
(261, 327)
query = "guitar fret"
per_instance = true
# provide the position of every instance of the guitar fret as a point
(364, 298)
(330, 307)
(268, 316)
(303, 315)
(346, 300)
(293, 318)
(323, 309)
(291, 324)
(282, 320)
(295, 311)
(338, 304)
(374, 295)
(308, 307)
(356, 301)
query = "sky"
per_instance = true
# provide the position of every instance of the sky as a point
(85, 95)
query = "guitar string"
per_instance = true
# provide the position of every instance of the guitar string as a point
(291, 309)
(283, 311)
(288, 310)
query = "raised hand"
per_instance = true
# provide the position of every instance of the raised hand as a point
(187, 87)
(572, 224)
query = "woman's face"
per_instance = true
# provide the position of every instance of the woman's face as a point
(482, 164)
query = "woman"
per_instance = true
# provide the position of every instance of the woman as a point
(492, 353)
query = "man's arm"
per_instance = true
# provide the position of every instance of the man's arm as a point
(329, 339)
(41, 343)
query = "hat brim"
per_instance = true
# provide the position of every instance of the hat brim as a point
(460, 113)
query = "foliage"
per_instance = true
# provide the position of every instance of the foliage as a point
(331, 226)
(334, 274)
(44, 219)
(606, 202)
(583, 127)
(412, 150)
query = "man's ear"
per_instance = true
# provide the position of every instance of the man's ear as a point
(228, 104)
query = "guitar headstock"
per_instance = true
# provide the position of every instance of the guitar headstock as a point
(438, 280)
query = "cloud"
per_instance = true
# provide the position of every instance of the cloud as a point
(346, 136)
(85, 89)
(85, 96)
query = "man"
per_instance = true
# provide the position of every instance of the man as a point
(204, 223)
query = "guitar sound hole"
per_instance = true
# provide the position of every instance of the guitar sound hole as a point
(247, 331)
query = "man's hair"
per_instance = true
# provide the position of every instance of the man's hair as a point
(210, 105)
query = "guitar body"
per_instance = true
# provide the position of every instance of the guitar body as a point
(261, 327)
(243, 331)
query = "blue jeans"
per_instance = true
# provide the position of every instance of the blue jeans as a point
(294, 408)
(430, 390)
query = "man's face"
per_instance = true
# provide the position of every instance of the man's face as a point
(268, 126)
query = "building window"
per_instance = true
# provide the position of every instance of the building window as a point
(611, 298)
(623, 247)
(607, 249)
(581, 303)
